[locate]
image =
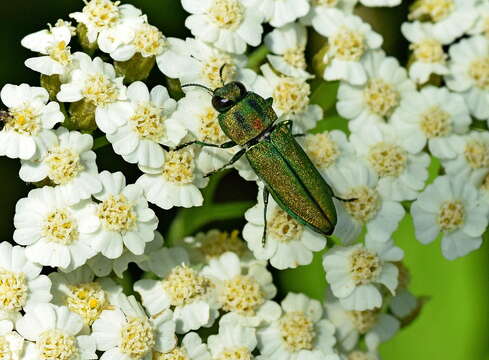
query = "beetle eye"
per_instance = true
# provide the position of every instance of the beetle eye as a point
(221, 104)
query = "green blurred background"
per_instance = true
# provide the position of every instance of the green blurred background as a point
(453, 325)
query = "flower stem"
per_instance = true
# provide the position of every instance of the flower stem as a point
(257, 57)
(100, 142)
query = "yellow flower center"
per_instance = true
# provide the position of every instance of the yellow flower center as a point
(148, 122)
(242, 294)
(5, 350)
(387, 159)
(297, 331)
(322, 149)
(60, 52)
(100, 90)
(477, 154)
(363, 321)
(358, 355)
(291, 95)
(184, 285)
(283, 227)
(177, 353)
(23, 120)
(434, 10)
(102, 13)
(241, 353)
(215, 243)
(117, 214)
(364, 266)
(295, 57)
(451, 215)
(63, 165)
(435, 122)
(479, 72)
(137, 338)
(226, 14)
(347, 44)
(13, 290)
(381, 97)
(149, 41)
(328, 3)
(60, 227)
(210, 130)
(179, 167)
(211, 69)
(365, 205)
(87, 300)
(429, 51)
(56, 344)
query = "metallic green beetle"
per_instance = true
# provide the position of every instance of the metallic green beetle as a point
(272, 151)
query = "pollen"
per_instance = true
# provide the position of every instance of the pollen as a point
(177, 353)
(242, 295)
(358, 355)
(364, 205)
(56, 344)
(363, 321)
(179, 167)
(226, 14)
(5, 350)
(322, 149)
(184, 285)
(137, 338)
(102, 13)
(435, 122)
(13, 291)
(100, 90)
(63, 165)
(479, 72)
(283, 227)
(451, 215)
(87, 300)
(434, 10)
(297, 331)
(117, 214)
(60, 52)
(387, 159)
(429, 51)
(364, 266)
(210, 130)
(148, 122)
(60, 227)
(215, 243)
(241, 353)
(295, 57)
(211, 70)
(380, 97)
(477, 154)
(23, 120)
(291, 95)
(149, 41)
(347, 44)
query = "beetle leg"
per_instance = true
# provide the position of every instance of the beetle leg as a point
(235, 158)
(266, 195)
(345, 200)
(226, 145)
(299, 135)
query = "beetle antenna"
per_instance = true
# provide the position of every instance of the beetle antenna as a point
(221, 71)
(201, 86)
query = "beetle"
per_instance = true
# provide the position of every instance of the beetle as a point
(272, 151)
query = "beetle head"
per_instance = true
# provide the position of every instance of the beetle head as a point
(225, 97)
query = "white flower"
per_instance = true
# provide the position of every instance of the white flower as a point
(95, 82)
(352, 179)
(288, 44)
(100, 16)
(376, 100)
(148, 124)
(378, 3)
(243, 290)
(360, 355)
(481, 25)
(349, 40)
(288, 243)
(451, 18)
(55, 233)
(350, 325)
(30, 118)
(127, 333)
(124, 216)
(401, 168)
(450, 206)
(69, 164)
(82, 294)
(431, 115)
(427, 47)
(55, 332)
(227, 24)
(177, 183)
(53, 44)
(318, 6)
(356, 273)
(280, 12)
(469, 74)
(234, 341)
(404, 305)
(12, 344)
(191, 348)
(300, 333)
(187, 291)
(21, 284)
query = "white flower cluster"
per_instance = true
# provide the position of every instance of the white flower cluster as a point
(83, 227)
